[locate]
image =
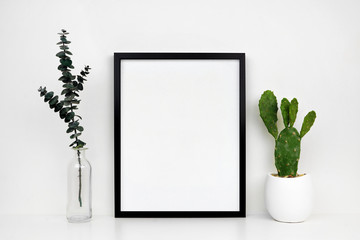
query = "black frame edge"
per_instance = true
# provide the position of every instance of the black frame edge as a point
(117, 136)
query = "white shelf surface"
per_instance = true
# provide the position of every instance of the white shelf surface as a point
(255, 227)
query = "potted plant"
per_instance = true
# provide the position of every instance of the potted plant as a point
(79, 170)
(288, 195)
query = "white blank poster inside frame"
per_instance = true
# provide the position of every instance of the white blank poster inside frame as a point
(179, 136)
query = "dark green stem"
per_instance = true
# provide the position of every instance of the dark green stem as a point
(80, 201)
(79, 161)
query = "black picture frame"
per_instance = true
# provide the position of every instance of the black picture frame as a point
(119, 59)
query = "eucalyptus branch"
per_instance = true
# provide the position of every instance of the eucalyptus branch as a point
(72, 86)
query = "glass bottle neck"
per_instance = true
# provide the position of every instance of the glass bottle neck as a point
(79, 153)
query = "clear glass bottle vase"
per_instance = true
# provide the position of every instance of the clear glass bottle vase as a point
(79, 207)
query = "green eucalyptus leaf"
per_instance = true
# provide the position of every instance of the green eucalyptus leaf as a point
(42, 91)
(67, 103)
(80, 128)
(78, 116)
(69, 116)
(67, 74)
(68, 52)
(66, 62)
(73, 124)
(80, 143)
(64, 79)
(48, 96)
(69, 130)
(63, 112)
(75, 135)
(61, 54)
(69, 98)
(58, 106)
(65, 91)
(69, 93)
(80, 79)
(68, 86)
(64, 47)
(62, 68)
(53, 101)
(52, 105)
(62, 115)
(80, 87)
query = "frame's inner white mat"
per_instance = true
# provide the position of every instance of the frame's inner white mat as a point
(180, 135)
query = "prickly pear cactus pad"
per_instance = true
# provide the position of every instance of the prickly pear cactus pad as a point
(285, 105)
(293, 109)
(287, 144)
(308, 122)
(268, 112)
(287, 152)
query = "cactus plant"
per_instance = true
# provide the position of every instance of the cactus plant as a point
(287, 143)
(72, 86)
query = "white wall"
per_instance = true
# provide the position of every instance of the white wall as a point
(305, 49)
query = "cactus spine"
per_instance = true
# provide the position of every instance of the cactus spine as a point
(287, 143)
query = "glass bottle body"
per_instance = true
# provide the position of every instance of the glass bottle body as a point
(79, 206)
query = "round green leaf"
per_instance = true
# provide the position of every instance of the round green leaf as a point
(48, 96)
(54, 100)
(69, 130)
(58, 106)
(69, 116)
(66, 62)
(64, 47)
(73, 124)
(80, 79)
(63, 112)
(69, 98)
(75, 135)
(61, 54)
(69, 86)
(65, 91)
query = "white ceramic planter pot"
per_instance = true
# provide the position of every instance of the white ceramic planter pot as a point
(289, 199)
